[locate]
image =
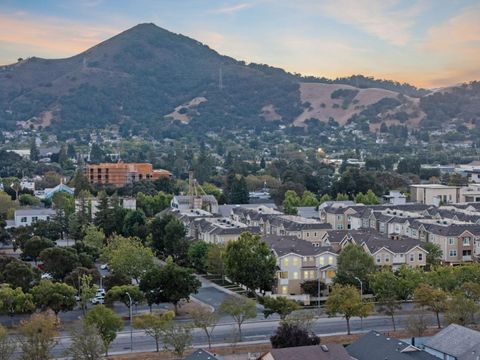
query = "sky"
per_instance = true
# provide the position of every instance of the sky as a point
(428, 43)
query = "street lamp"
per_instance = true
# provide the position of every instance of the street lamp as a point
(361, 297)
(131, 327)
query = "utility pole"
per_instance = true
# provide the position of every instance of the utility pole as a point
(361, 297)
(131, 327)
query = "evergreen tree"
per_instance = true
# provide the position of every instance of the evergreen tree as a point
(97, 155)
(34, 153)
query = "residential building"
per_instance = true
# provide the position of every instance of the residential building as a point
(313, 352)
(298, 261)
(434, 194)
(470, 194)
(306, 229)
(202, 354)
(129, 203)
(28, 216)
(205, 202)
(375, 346)
(219, 230)
(120, 174)
(395, 198)
(455, 342)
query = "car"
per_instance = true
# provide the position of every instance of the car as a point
(47, 276)
(104, 266)
(98, 300)
(100, 292)
(77, 298)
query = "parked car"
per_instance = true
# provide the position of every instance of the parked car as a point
(98, 300)
(47, 276)
(104, 266)
(100, 292)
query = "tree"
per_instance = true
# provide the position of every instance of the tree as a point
(197, 255)
(34, 153)
(417, 324)
(309, 199)
(291, 202)
(178, 338)
(325, 198)
(174, 242)
(250, 262)
(170, 283)
(215, 261)
(74, 278)
(94, 237)
(385, 287)
(432, 298)
(116, 279)
(15, 301)
(408, 279)
(353, 262)
(461, 310)
(240, 309)
(86, 292)
(279, 305)
(435, 254)
(59, 261)
(86, 342)
(34, 246)
(289, 335)
(7, 345)
(29, 200)
(206, 320)
(97, 155)
(341, 197)
(346, 300)
(128, 256)
(55, 296)
(119, 293)
(135, 224)
(37, 337)
(310, 287)
(303, 319)
(106, 322)
(154, 325)
(20, 274)
(236, 189)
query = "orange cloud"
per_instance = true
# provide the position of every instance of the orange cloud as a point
(54, 36)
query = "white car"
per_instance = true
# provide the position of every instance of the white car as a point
(100, 292)
(104, 266)
(98, 300)
(47, 276)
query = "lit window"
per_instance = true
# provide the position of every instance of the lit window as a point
(295, 261)
(285, 262)
(330, 260)
(284, 290)
(295, 275)
(305, 275)
(283, 275)
(312, 274)
(321, 260)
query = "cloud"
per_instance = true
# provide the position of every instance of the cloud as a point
(385, 19)
(232, 9)
(52, 36)
(456, 43)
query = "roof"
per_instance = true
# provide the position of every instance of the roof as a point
(283, 245)
(185, 199)
(434, 186)
(34, 211)
(201, 354)
(308, 212)
(455, 340)
(314, 352)
(375, 346)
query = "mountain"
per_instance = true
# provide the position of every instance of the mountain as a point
(148, 79)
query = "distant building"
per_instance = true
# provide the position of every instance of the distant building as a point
(28, 216)
(185, 202)
(120, 174)
(434, 194)
(129, 203)
(395, 198)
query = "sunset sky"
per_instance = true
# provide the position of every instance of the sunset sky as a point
(428, 43)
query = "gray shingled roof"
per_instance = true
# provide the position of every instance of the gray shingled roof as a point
(201, 354)
(314, 352)
(454, 340)
(34, 211)
(375, 346)
(283, 245)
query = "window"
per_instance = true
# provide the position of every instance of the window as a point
(466, 241)
(420, 257)
(451, 241)
(284, 290)
(339, 217)
(339, 227)
(308, 234)
(283, 274)
(285, 262)
(387, 258)
(306, 275)
(412, 257)
(321, 260)
(312, 274)
(34, 218)
(330, 260)
(453, 253)
(314, 234)
(23, 219)
(295, 261)
(378, 259)
(295, 275)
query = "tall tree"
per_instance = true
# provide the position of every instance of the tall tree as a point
(37, 337)
(461, 310)
(104, 213)
(106, 322)
(250, 262)
(197, 255)
(206, 320)
(279, 305)
(121, 293)
(435, 254)
(86, 292)
(432, 298)
(20, 274)
(240, 309)
(15, 301)
(385, 286)
(34, 246)
(291, 202)
(59, 261)
(34, 153)
(346, 300)
(354, 262)
(154, 325)
(86, 342)
(54, 296)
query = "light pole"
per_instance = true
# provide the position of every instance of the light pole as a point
(361, 297)
(131, 328)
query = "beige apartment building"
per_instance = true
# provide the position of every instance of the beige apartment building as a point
(434, 194)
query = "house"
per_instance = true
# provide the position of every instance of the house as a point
(201, 354)
(298, 261)
(26, 217)
(253, 216)
(470, 193)
(375, 346)
(455, 342)
(434, 194)
(219, 230)
(395, 198)
(314, 352)
(291, 225)
(206, 202)
(120, 174)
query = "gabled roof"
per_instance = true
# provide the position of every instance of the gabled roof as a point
(375, 346)
(201, 354)
(283, 245)
(455, 340)
(314, 352)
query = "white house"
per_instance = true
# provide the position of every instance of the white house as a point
(26, 217)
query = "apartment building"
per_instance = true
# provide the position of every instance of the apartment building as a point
(204, 202)
(219, 230)
(290, 225)
(253, 216)
(299, 261)
(28, 216)
(434, 194)
(120, 174)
